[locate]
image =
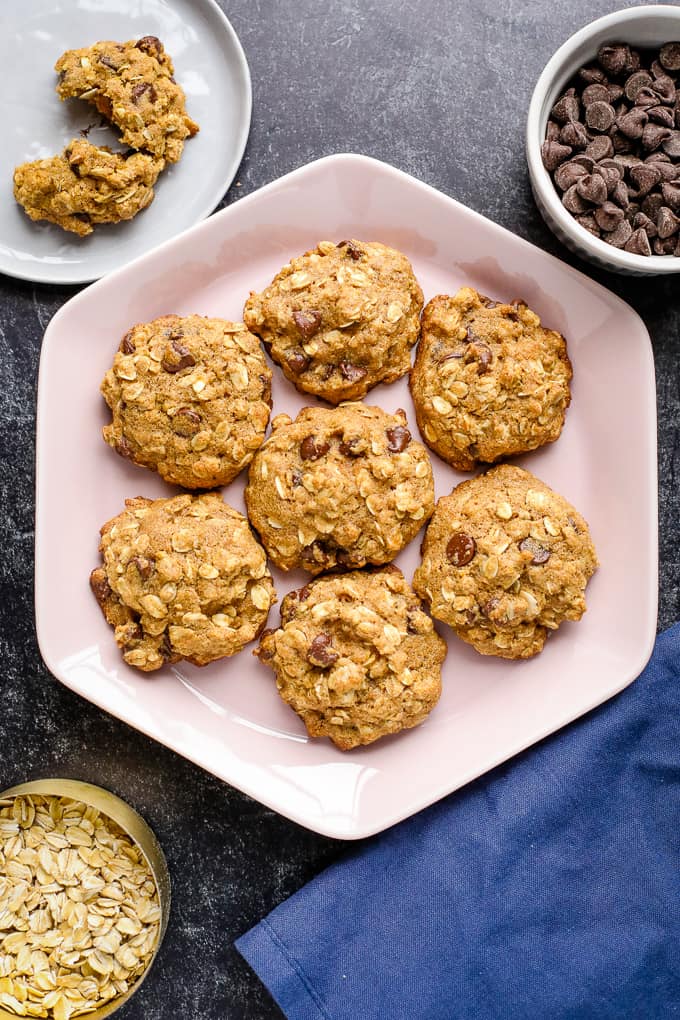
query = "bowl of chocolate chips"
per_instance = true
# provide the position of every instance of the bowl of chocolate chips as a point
(603, 141)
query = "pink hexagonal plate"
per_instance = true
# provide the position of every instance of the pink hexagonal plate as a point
(228, 717)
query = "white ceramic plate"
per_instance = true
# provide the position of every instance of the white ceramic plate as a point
(228, 717)
(209, 64)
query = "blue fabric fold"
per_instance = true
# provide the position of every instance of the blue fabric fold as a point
(548, 889)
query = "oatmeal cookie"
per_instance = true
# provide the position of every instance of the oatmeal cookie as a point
(355, 656)
(132, 85)
(340, 319)
(489, 381)
(339, 486)
(182, 578)
(190, 399)
(86, 185)
(505, 560)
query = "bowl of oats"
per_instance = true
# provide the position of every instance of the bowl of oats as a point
(84, 900)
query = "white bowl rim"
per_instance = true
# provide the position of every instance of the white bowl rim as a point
(603, 252)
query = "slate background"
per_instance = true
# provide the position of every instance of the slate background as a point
(440, 90)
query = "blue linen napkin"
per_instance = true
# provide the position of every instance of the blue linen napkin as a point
(548, 889)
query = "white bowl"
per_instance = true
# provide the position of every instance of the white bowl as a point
(644, 27)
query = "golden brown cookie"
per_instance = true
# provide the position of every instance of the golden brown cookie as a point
(132, 85)
(190, 399)
(355, 656)
(505, 560)
(340, 319)
(489, 381)
(182, 578)
(339, 486)
(86, 185)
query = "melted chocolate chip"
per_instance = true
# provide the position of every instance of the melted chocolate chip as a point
(350, 447)
(320, 652)
(107, 62)
(143, 566)
(127, 344)
(139, 90)
(312, 448)
(150, 44)
(186, 422)
(539, 553)
(177, 357)
(297, 362)
(398, 438)
(308, 322)
(353, 250)
(100, 586)
(352, 373)
(461, 549)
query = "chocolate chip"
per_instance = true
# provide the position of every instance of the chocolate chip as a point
(398, 438)
(620, 236)
(661, 115)
(150, 44)
(592, 75)
(186, 422)
(655, 135)
(651, 205)
(107, 62)
(143, 566)
(620, 195)
(554, 153)
(584, 161)
(127, 344)
(664, 88)
(636, 82)
(552, 131)
(177, 357)
(596, 93)
(620, 143)
(312, 448)
(664, 245)
(643, 221)
(461, 549)
(539, 553)
(615, 93)
(671, 144)
(587, 221)
(645, 176)
(353, 250)
(657, 71)
(611, 175)
(352, 373)
(592, 188)
(667, 222)
(308, 322)
(608, 216)
(614, 59)
(671, 195)
(669, 56)
(572, 201)
(566, 108)
(574, 134)
(638, 243)
(297, 362)
(568, 174)
(632, 124)
(601, 147)
(139, 90)
(320, 652)
(600, 116)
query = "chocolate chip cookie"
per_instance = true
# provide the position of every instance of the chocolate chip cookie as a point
(86, 185)
(505, 561)
(190, 399)
(355, 656)
(340, 319)
(132, 85)
(339, 487)
(182, 578)
(489, 380)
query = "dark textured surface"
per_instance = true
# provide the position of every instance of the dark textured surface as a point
(440, 90)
